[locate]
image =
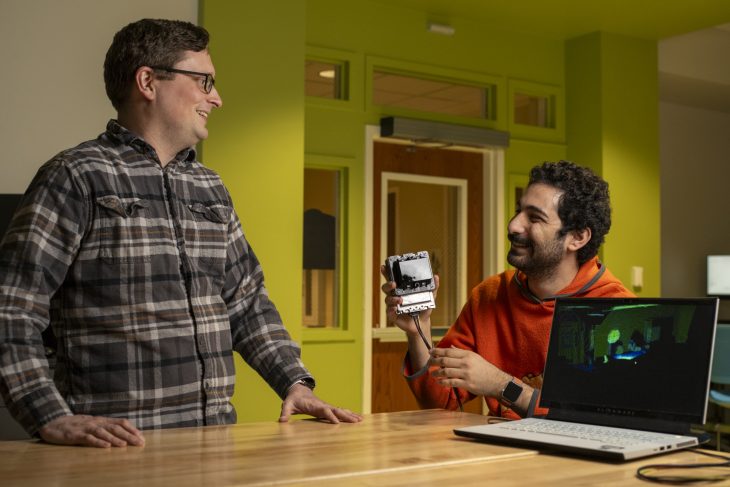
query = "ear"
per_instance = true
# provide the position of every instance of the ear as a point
(577, 239)
(144, 82)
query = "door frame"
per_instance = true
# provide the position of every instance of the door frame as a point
(493, 228)
(461, 238)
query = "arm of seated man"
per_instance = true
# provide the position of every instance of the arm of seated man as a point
(468, 370)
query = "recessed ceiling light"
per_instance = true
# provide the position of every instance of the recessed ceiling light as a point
(442, 29)
(327, 73)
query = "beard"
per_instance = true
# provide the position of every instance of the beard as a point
(540, 259)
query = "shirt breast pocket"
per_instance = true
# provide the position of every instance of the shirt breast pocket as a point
(207, 238)
(121, 230)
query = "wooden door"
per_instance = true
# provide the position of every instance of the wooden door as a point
(389, 390)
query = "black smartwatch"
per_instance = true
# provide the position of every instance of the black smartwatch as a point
(511, 392)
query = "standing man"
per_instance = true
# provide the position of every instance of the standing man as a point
(498, 344)
(131, 250)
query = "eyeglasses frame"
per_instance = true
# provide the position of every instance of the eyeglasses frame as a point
(208, 82)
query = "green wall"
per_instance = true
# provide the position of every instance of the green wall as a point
(366, 33)
(613, 126)
(256, 143)
(267, 131)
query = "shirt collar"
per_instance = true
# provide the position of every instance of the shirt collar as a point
(115, 131)
(592, 267)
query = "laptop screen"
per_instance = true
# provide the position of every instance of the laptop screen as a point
(638, 357)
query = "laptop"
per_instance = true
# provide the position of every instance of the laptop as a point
(636, 368)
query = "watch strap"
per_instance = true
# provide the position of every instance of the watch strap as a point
(305, 381)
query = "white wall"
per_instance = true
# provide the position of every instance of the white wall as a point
(695, 186)
(52, 74)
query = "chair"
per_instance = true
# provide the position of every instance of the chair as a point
(721, 374)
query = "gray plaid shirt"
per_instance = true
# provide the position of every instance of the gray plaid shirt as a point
(148, 283)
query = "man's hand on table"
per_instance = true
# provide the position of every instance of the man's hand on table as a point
(301, 400)
(95, 431)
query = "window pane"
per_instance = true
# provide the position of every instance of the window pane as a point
(532, 110)
(423, 216)
(320, 291)
(428, 95)
(324, 80)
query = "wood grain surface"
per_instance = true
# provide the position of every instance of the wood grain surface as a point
(402, 448)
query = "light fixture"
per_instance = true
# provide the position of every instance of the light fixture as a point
(327, 73)
(422, 132)
(443, 29)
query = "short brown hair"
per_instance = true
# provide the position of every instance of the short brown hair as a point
(147, 42)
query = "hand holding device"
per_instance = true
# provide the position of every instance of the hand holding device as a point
(410, 288)
(415, 284)
(414, 281)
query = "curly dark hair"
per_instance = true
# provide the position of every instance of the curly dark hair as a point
(147, 42)
(585, 202)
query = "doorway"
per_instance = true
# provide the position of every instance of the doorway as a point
(426, 199)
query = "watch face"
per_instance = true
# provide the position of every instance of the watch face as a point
(512, 392)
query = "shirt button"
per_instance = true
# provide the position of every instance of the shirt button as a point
(206, 384)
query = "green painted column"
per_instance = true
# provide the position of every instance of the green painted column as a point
(613, 127)
(256, 144)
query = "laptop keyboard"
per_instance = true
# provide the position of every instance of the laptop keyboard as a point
(603, 434)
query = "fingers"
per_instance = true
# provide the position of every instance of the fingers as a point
(452, 352)
(125, 430)
(336, 415)
(389, 285)
(329, 415)
(287, 409)
(453, 382)
(347, 416)
(393, 301)
(106, 436)
(118, 432)
(303, 401)
(387, 288)
(93, 431)
(390, 301)
(444, 362)
(91, 440)
(453, 367)
(284, 418)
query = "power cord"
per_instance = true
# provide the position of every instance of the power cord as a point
(429, 347)
(648, 472)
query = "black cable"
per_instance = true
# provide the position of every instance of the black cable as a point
(641, 472)
(420, 332)
(429, 347)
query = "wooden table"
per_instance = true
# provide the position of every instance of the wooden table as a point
(406, 448)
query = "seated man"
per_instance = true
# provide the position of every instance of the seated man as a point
(498, 344)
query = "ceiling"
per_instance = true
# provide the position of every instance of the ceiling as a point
(694, 69)
(693, 36)
(563, 19)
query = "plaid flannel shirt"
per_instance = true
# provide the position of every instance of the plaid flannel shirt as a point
(148, 283)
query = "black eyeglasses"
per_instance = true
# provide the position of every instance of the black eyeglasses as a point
(208, 80)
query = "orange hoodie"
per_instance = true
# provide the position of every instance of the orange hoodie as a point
(509, 326)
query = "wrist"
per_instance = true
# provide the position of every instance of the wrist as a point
(307, 382)
(511, 392)
(519, 397)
